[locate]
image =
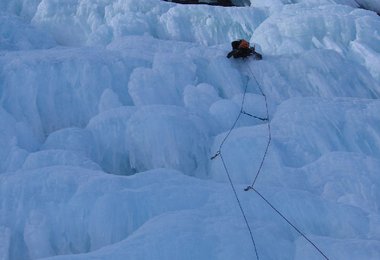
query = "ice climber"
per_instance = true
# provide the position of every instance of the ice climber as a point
(241, 49)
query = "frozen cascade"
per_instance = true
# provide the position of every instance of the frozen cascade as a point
(111, 109)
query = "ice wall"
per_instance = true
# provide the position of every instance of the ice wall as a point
(90, 90)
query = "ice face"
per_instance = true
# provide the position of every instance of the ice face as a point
(110, 111)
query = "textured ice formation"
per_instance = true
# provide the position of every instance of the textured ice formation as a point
(110, 111)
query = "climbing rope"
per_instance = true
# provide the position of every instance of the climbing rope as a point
(269, 131)
(240, 206)
(290, 223)
(251, 187)
(219, 153)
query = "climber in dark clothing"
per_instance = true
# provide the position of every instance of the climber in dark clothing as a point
(241, 49)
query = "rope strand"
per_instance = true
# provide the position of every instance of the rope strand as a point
(219, 153)
(291, 224)
(261, 166)
(269, 131)
(240, 206)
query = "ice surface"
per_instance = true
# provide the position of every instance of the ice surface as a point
(16, 34)
(164, 83)
(109, 134)
(77, 22)
(57, 157)
(111, 109)
(167, 137)
(60, 88)
(23, 8)
(373, 5)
